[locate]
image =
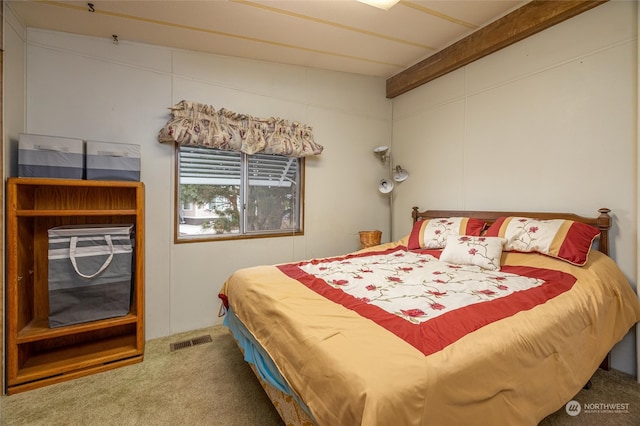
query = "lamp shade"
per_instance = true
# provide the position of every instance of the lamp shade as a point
(400, 174)
(381, 152)
(385, 186)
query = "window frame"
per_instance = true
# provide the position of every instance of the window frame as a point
(229, 237)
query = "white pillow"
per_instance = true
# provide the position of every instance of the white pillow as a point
(484, 252)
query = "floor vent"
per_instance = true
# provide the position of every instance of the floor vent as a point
(188, 343)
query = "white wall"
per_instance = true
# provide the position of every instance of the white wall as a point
(91, 88)
(548, 124)
(14, 63)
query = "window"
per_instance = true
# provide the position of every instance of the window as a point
(235, 195)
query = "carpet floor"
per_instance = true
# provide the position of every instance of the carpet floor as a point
(209, 384)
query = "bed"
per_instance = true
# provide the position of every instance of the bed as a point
(475, 317)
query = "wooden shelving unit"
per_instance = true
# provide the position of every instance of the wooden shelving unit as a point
(37, 355)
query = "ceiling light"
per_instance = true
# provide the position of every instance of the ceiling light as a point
(380, 4)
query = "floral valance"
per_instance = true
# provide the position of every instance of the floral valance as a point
(198, 124)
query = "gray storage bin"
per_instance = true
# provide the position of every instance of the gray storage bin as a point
(113, 161)
(90, 270)
(50, 157)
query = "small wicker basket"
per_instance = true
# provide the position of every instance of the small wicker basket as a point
(369, 238)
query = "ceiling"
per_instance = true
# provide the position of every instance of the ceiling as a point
(339, 35)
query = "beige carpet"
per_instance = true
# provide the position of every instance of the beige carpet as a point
(609, 393)
(207, 384)
(210, 384)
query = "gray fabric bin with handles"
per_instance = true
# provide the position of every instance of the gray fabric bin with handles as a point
(90, 270)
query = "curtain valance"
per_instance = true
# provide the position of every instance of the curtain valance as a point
(198, 124)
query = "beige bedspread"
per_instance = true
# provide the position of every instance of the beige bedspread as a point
(350, 371)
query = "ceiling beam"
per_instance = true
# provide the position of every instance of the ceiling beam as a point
(523, 22)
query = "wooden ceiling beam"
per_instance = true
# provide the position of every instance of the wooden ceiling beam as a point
(523, 22)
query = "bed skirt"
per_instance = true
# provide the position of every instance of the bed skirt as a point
(285, 405)
(274, 385)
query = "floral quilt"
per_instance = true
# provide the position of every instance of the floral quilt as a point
(388, 335)
(427, 302)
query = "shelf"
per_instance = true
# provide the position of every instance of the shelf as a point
(77, 212)
(35, 354)
(23, 387)
(71, 182)
(38, 329)
(76, 357)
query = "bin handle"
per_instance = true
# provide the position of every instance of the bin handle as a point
(72, 256)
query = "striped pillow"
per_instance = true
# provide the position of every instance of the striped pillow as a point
(432, 233)
(563, 239)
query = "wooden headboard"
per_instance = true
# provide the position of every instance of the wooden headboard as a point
(602, 222)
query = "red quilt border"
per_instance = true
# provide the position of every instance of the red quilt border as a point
(435, 334)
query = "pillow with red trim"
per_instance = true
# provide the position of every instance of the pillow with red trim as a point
(432, 233)
(484, 252)
(563, 239)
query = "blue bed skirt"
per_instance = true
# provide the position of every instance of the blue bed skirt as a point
(257, 356)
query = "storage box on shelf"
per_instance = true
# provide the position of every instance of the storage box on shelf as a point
(37, 355)
(112, 161)
(50, 157)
